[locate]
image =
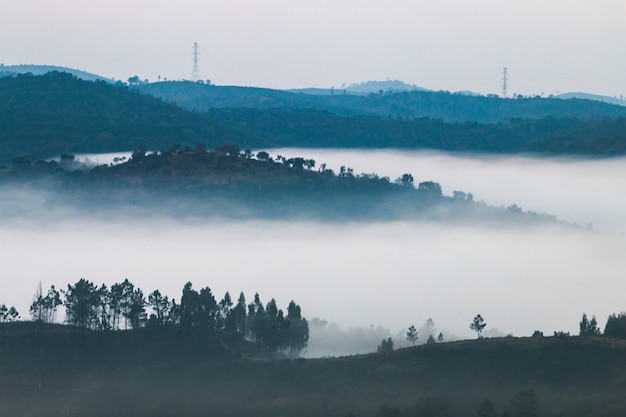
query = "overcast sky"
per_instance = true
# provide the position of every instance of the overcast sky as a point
(549, 46)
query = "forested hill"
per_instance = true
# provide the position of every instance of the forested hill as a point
(49, 115)
(57, 113)
(445, 106)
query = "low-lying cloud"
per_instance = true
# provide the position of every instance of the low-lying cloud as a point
(379, 277)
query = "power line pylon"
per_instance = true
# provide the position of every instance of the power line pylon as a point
(195, 73)
(505, 79)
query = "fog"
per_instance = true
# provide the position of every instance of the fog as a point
(381, 276)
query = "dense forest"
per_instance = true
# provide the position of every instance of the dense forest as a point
(56, 113)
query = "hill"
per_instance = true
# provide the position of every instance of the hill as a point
(445, 106)
(182, 182)
(13, 70)
(173, 372)
(587, 96)
(56, 113)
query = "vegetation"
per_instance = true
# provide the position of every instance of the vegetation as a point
(56, 113)
(180, 181)
(478, 325)
(436, 105)
(92, 308)
(53, 370)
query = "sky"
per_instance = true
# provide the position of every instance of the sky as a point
(548, 46)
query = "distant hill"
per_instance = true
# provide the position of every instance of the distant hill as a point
(12, 70)
(148, 372)
(365, 88)
(57, 113)
(445, 106)
(594, 97)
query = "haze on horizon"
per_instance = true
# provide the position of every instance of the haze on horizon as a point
(549, 47)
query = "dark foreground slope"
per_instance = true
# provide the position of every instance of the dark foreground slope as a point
(174, 373)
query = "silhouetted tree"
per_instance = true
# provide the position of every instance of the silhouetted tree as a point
(160, 305)
(297, 328)
(589, 327)
(411, 335)
(616, 326)
(81, 301)
(440, 337)
(429, 189)
(263, 156)
(8, 314)
(478, 325)
(431, 340)
(386, 346)
(238, 316)
(43, 308)
(224, 312)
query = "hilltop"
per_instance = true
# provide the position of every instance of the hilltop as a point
(13, 70)
(164, 373)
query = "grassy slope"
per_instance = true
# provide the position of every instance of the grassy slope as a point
(148, 373)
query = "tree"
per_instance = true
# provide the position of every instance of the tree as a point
(405, 179)
(386, 346)
(238, 317)
(81, 301)
(411, 335)
(160, 305)
(8, 314)
(136, 312)
(224, 312)
(43, 309)
(228, 149)
(298, 329)
(431, 340)
(428, 328)
(429, 189)
(616, 326)
(263, 156)
(478, 325)
(440, 337)
(589, 327)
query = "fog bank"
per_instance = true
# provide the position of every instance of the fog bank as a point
(379, 277)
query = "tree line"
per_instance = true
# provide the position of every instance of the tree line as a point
(124, 306)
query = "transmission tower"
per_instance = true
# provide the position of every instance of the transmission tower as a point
(505, 79)
(195, 73)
